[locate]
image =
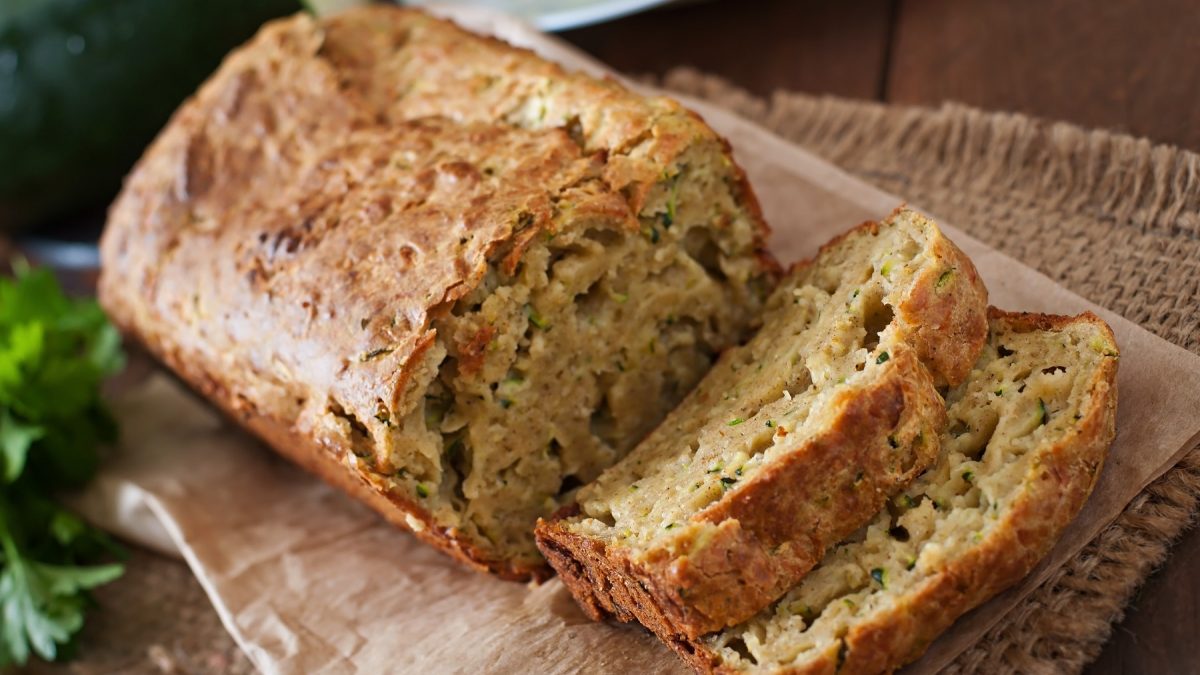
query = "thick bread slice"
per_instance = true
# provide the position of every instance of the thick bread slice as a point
(789, 444)
(438, 271)
(1028, 434)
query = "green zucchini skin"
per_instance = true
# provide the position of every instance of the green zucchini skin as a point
(86, 84)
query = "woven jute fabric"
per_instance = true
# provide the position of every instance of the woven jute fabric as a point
(1115, 219)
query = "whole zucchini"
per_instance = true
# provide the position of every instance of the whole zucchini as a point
(85, 85)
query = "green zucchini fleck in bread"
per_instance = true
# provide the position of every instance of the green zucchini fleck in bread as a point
(790, 443)
(1028, 433)
(442, 273)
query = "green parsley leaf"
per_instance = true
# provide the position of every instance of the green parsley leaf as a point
(535, 318)
(42, 604)
(15, 439)
(879, 574)
(54, 354)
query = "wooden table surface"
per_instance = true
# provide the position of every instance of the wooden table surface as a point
(1123, 65)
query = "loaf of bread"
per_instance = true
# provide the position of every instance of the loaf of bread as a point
(789, 444)
(1028, 433)
(442, 273)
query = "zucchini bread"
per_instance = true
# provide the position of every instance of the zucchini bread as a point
(1028, 433)
(442, 273)
(790, 443)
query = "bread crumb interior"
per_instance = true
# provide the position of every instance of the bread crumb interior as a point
(1027, 394)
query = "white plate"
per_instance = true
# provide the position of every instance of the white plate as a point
(553, 15)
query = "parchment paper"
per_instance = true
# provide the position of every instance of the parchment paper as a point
(308, 581)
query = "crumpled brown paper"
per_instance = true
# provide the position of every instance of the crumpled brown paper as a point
(309, 581)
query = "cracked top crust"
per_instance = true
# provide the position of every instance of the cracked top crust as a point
(335, 103)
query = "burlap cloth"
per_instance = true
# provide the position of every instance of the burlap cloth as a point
(1113, 218)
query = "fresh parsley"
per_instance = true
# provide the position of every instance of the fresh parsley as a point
(54, 353)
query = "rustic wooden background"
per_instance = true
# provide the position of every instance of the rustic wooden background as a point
(1133, 66)
(1117, 64)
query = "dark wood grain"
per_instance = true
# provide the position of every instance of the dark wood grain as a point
(1161, 633)
(804, 45)
(1129, 66)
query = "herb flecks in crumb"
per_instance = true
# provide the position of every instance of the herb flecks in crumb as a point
(375, 353)
(883, 357)
(54, 353)
(736, 421)
(535, 318)
(668, 218)
(944, 279)
(880, 576)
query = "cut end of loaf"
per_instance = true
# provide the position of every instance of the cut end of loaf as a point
(823, 414)
(546, 376)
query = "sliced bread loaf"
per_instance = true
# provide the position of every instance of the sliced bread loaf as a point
(1028, 433)
(444, 274)
(790, 443)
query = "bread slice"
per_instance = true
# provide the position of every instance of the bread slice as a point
(442, 273)
(790, 443)
(1028, 434)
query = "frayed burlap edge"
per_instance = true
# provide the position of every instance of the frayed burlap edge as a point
(1061, 166)
(1110, 178)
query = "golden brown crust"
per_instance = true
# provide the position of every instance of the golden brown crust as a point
(286, 241)
(945, 317)
(884, 435)
(1060, 482)
(443, 70)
